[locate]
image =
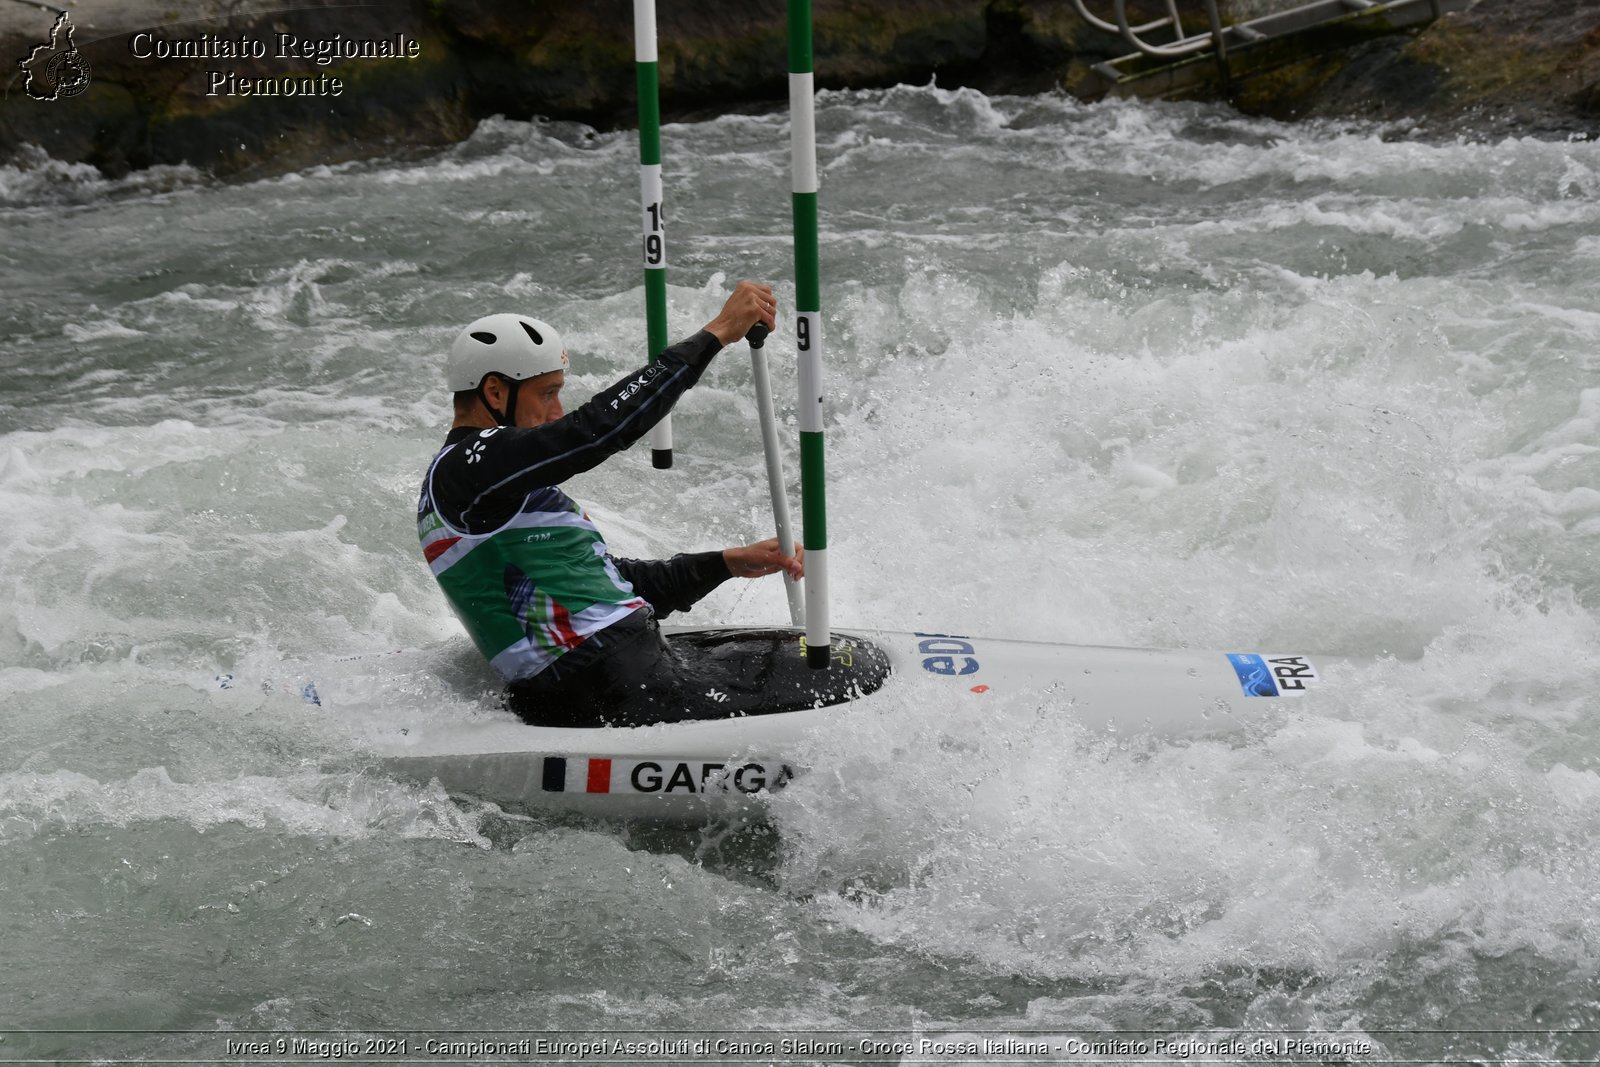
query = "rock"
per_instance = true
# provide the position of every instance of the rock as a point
(1504, 67)
(559, 58)
(140, 108)
(1525, 65)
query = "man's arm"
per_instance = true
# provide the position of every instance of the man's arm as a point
(511, 462)
(675, 584)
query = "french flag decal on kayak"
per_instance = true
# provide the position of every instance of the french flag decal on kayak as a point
(1263, 675)
(563, 775)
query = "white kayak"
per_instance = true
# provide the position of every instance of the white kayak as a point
(742, 750)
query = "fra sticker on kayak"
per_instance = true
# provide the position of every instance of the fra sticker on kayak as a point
(577, 774)
(1263, 675)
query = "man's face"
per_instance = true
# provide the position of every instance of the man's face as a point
(539, 399)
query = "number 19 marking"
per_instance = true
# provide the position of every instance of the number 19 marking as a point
(654, 250)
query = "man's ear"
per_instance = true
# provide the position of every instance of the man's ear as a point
(494, 387)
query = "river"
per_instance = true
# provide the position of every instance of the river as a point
(1130, 374)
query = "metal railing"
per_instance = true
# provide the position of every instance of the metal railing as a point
(1218, 37)
(1184, 45)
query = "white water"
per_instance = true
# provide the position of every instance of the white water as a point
(1117, 374)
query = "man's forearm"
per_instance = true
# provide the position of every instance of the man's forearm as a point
(675, 584)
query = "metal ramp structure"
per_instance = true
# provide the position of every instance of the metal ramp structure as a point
(1192, 60)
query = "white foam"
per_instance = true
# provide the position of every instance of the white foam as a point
(41, 181)
(346, 806)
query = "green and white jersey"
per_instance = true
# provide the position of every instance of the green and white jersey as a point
(532, 588)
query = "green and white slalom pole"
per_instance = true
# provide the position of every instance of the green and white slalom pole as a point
(652, 225)
(808, 331)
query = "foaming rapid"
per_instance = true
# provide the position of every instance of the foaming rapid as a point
(1115, 374)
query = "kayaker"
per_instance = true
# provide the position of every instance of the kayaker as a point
(572, 629)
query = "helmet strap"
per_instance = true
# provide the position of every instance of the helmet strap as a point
(505, 418)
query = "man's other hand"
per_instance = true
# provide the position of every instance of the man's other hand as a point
(763, 558)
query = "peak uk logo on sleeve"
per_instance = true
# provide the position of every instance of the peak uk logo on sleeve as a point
(55, 70)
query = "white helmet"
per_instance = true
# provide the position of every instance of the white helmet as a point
(513, 345)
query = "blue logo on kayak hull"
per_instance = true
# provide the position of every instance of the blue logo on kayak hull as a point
(1254, 677)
